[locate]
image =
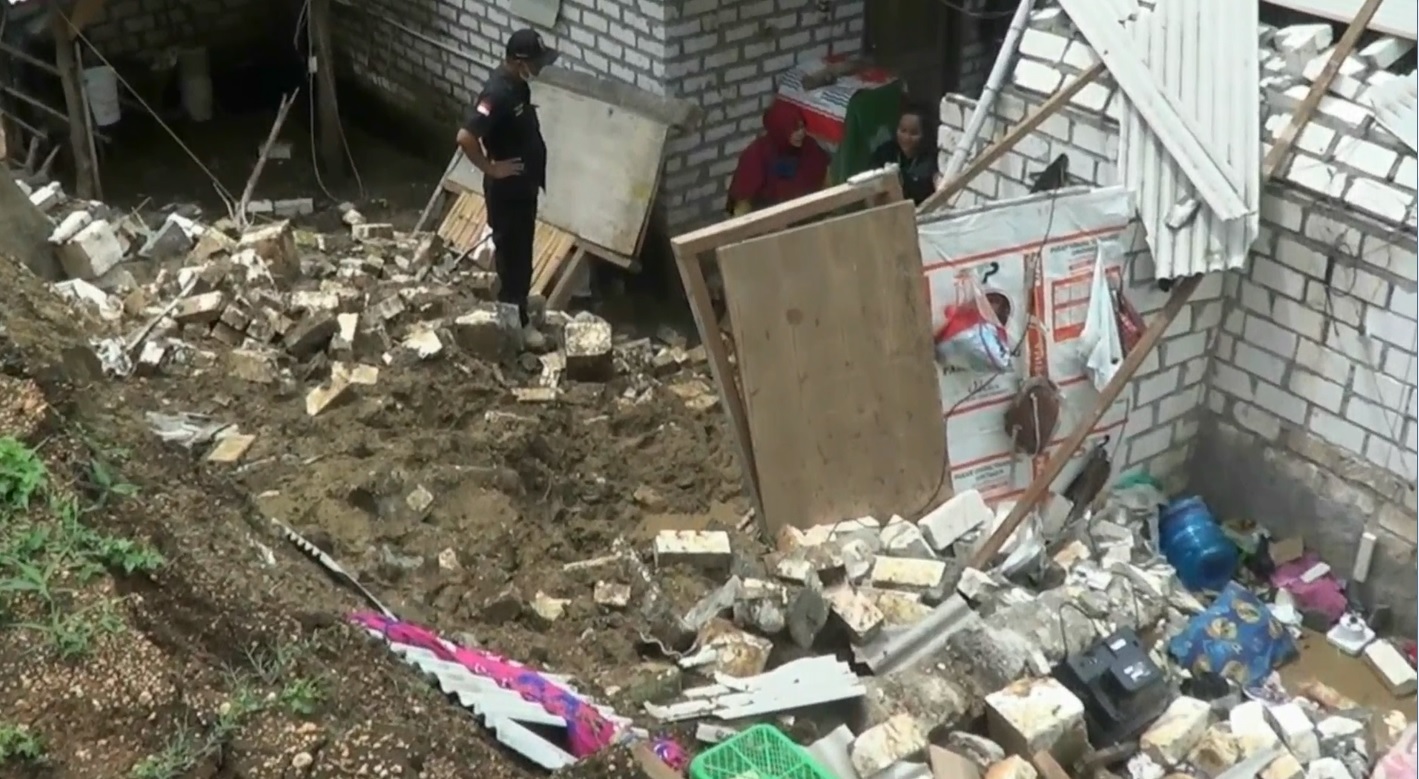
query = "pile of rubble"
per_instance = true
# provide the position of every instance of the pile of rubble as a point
(973, 673)
(271, 303)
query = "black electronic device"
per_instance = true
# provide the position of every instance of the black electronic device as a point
(1123, 690)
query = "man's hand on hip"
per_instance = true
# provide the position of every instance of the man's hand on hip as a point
(502, 169)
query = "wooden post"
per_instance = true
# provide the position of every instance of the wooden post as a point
(1181, 293)
(74, 100)
(332, 157)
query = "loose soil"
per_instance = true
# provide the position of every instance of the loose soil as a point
(236, 648)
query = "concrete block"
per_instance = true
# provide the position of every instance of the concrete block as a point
(491, 332)
(93, 251)
(1284, 767)
(1293, 725)
(1038, 715)
(199, 309)
(1250, 728)
(880, 746)
(899, 609)
(858, 613)
(230, 448)
(1174, 734)
(1340, 734)
(1391, 667)
(588, 349)
(959, 515)
(904, 539)
(372, 231)
(1215, 752)
(704, 548)
(275, 245)
(904, 573)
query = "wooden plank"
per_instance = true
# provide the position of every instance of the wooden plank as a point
(1057, 461)
(562, 291)
(79, 146)
(830, 331)
(781, 216)
(1050, 107)
(602, 167)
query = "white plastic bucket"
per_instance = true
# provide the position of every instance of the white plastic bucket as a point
(101, 90)
(195, 83)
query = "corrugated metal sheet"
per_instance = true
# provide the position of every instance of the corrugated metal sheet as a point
(1212, 72)
(1394, 106)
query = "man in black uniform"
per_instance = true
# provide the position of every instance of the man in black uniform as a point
(503, 140)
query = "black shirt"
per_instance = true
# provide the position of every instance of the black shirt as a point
(505, 120)
(918, 174)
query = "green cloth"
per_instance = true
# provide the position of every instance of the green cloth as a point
(871, 119)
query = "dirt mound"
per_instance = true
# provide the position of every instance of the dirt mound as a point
(173, 634)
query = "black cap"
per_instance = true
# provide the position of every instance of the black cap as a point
(526, 45)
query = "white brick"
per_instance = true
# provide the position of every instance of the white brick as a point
(1155, 387)
(1234, 382)
(1391, 328)
(1310, 173)
(1400, 364)
(1404, 302)
(1395, 259)
(1254, 419)
(1336, 305)
(1281, 403)
(1326, 394)
(1043, 45)
(1260, 362)
(1376, 419)
(959, 515)
(1330, 233)
(1368, 158)
(1290, 721)
(1037, 715)
(1036, 76)
(1382, 200)
(1393, 458)
(1168, 740)
(1388, 392)
(1298, 318)
(1278, 277)
(1338, 431)
(1254, 297)
(1271, 337)
(1172, 407)
(1329, 363)
(1406, 175)
(1284, 213)
(887, 743)
(1150, 444)
(1391, 667)
(1249, 726)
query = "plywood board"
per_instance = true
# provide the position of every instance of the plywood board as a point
(603, 163)
(464, 224)
(834, 351)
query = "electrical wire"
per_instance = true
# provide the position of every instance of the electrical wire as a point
(303, 20)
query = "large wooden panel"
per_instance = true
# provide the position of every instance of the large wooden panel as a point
(464, 224)
(834, 348)
(603, 163)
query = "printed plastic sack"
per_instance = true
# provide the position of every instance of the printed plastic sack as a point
(972, 337)
(1236, 637)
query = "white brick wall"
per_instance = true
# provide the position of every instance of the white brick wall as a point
(726, 54)
(131, 26)
(1311, 373)
(432, 56)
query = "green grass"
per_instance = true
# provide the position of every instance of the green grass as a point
(48, 554)
(20, 746)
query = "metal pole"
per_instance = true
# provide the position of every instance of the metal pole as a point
(998, 72)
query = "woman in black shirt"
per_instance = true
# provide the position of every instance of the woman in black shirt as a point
(913, 151)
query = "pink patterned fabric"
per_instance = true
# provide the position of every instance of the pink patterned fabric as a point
(588, 731)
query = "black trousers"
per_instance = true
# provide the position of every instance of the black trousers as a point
(513, 221)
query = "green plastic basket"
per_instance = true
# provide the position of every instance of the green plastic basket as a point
(761, 752)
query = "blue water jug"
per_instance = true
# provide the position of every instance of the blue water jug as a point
(1194, 544)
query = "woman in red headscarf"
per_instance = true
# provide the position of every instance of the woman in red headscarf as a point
(782, 164)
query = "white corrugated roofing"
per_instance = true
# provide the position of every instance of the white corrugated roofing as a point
(1393, 17)
(1212, 70)
(1210, 73)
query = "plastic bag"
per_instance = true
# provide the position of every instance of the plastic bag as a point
(972, 337)
(1100, 344)
(1399, 761)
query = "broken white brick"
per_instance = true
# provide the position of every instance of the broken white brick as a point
(906, 573)
(368, 231)
(1385, 51)
(1215, 752)
(963, 513)
(275, 245)
(92, 252)
(1294, 726)
(1249, 726)
(857, 559)
(611, 595)
(1391, 667)
(707, 548)
(1337, 732)
(1301, 43)
(1284, 767)
(204, 308)
(47, 196)
(1037, 715)
(1012, 767)
(1327, 768)
(1175, 733)
(858, 614)
(899, 609)
(903, 539)
(881, 746)
(70, 226)
(587, 344)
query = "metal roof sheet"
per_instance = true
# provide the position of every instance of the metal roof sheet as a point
(1212, 73)
(1394, 17)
